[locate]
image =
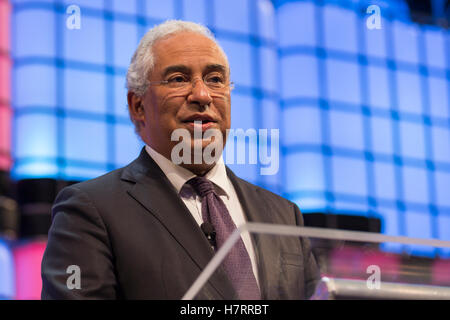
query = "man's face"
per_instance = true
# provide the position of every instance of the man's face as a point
(184, 57)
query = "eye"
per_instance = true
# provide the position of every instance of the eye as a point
(215, 79)
(178, 79)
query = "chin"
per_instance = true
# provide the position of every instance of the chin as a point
(202, 143)
(198, 169)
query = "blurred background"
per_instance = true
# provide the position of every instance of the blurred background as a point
(361, 98)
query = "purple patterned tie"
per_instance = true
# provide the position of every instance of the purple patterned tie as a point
(237, 263)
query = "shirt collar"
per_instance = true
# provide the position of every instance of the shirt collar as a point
(178, 175)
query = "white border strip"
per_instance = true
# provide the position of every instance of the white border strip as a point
(285, 230)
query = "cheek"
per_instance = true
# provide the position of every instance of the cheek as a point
(151, 107)
(224, 106)
(161, 111)
(228, 114)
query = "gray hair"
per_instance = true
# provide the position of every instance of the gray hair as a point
(142, 61)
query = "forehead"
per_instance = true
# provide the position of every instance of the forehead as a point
(187, 48)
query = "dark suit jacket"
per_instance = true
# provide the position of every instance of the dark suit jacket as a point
(132, 237)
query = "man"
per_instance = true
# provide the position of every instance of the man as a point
(135, 233)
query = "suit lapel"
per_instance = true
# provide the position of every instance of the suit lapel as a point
(154, 192)
(267, 247)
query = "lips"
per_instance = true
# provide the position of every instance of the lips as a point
(199, 117)
(201, 122)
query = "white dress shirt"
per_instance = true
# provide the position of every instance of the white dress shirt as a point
(178, 176)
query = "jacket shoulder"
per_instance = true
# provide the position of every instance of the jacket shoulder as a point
(106, 181)
(99, 192)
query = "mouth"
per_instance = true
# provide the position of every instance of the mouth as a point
(203, 118)
(200, 122)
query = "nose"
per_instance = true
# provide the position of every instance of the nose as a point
(200, 93)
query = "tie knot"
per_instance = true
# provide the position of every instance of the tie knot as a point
(202, 186)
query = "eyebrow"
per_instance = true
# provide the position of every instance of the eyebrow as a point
(176, 68)
(186, 70)
(216, 67)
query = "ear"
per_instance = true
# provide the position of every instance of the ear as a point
(135, 107)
